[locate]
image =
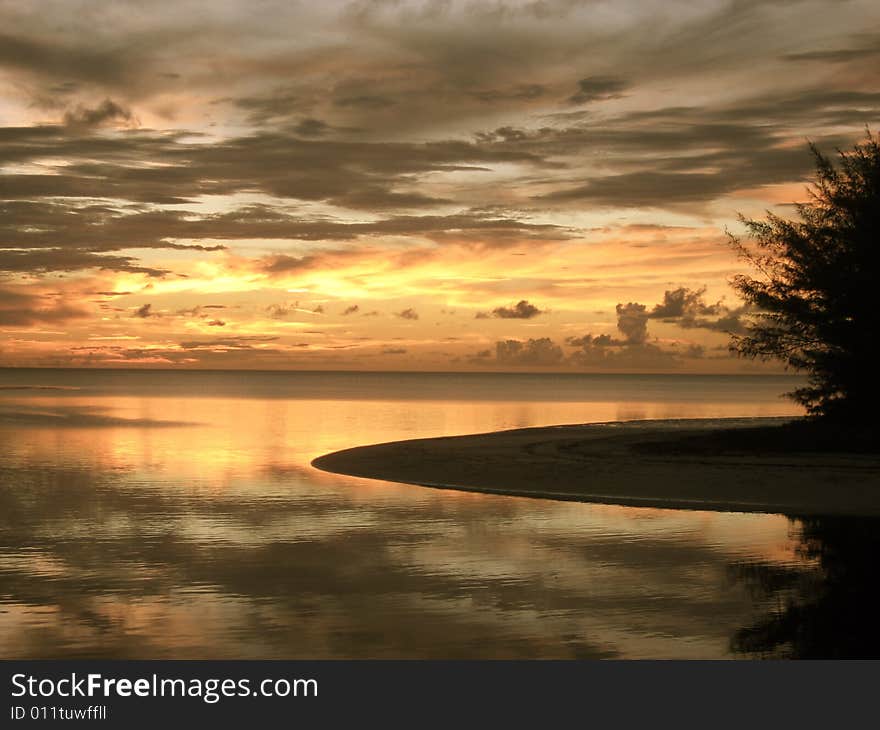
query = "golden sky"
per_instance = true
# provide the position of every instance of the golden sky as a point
(405, 185)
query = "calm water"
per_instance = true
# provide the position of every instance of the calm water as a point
(161, 514)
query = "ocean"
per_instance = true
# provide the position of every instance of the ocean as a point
(158, 514)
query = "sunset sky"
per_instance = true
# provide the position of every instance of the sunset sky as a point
(405, 185)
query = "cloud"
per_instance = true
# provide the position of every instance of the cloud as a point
(245, 342)
(20, 308)
(643, 356)
(688, 309)
(280, 311)
(364, 101)
(311, 128)
(598, 88)
(144, 311)
(670, 157)
(357, 174)
(521, 310)
(388, 144)
(199, 310)
(683, 302)
(520, 92)
(537, 352)
(408, 314)
(60, 260)
(633, 351)
(108, 111)
(864, 46)
(351, 310)
(731, 321)
(589, 342)
(600, 352)
(632, 321)
(71, 61)
(264, 109)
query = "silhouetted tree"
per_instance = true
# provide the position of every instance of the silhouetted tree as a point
(816, 289)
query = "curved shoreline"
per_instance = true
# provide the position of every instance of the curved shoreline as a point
(635, 463)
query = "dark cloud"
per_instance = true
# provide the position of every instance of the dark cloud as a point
(364, 101)
(684, 307)
(24, 309)
(674, 156)
(81, 62)
(278, 311)
(670, 189)
(597, 88)
(740, 146)
(643, 356)
(59, 260)
(840, 55)
(863, 47)
(245, 342)
(521, 92)
(683, 302)
(282, 311)
(592, 341)
(632, 321)
(394, 351)
(521, 310)
(731, 321)
(283, 107)
(348, 173)
(279, 105)
(633, 351)
(281, 264)
(199, 310)
(403, 114)
(311, 128)
(688, 309)
(89, 230)
(539, 352)
(144, 311)
(408, 314)
(106, 112)
(351, 310)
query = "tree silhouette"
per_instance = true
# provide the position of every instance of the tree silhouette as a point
(815, 290)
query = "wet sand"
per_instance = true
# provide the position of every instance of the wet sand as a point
(684, 464)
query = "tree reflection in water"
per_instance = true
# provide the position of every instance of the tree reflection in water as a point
(828, 611)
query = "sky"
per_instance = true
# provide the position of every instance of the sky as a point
(391, 185)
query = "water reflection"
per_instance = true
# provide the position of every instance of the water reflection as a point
(99, 563)
(119, 538)
(825, 608)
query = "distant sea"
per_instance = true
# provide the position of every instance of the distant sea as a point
(155, 514)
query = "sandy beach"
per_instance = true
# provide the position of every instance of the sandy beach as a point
(686, 464)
